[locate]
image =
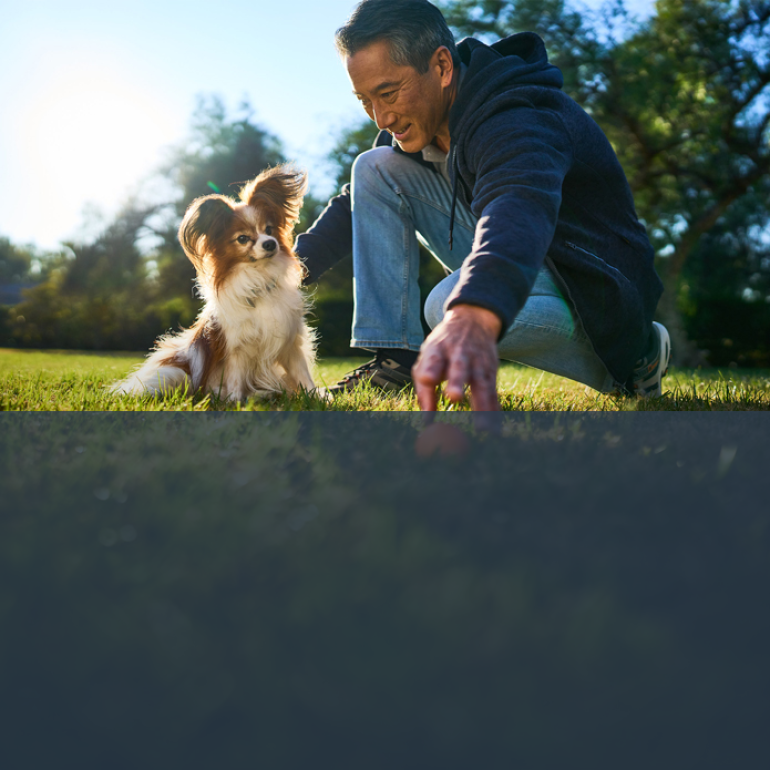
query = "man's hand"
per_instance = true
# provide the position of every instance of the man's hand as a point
(462, 349)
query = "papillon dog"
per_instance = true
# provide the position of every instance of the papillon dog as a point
(251, 337)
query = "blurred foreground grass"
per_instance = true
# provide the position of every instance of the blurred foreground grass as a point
(67, 381)
(199, 591)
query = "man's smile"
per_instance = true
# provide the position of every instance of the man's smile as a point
(401, 134)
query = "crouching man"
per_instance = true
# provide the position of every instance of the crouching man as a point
(514, 188)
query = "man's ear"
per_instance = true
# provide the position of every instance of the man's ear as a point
(205, 224)
(442, 58)
(280, 191)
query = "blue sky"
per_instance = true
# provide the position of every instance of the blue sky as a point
(93, 94)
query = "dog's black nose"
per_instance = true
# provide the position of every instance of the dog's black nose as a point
(269, 245)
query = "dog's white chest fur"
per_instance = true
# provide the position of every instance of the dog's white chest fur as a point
(261, 321)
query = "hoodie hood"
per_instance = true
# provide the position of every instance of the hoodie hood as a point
(520, 58)
(492, 71)
(496, 77)
(532, 66)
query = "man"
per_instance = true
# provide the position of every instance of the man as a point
(514, 188)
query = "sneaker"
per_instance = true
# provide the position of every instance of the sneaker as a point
(648, 372)
(382, 373)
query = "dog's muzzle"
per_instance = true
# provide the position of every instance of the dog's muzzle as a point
(267, 249)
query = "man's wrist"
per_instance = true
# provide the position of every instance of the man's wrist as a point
(487, 319)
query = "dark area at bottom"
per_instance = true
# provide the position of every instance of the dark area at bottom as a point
(305, 590)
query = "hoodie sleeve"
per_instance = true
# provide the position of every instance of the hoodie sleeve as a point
(329, 239)
(518, 158)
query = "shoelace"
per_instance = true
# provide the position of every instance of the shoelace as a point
(356, 374)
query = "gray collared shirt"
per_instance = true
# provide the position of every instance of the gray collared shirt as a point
(432, 154)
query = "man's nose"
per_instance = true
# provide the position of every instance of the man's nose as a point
(383, 118)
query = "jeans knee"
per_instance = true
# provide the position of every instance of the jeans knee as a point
(434, 308)
(365, 166)
(434, 305)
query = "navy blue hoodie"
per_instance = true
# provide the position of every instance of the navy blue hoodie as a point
(546, 186)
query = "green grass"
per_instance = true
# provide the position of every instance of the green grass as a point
(33, 380)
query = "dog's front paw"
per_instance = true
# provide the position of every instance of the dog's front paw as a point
(323, 394)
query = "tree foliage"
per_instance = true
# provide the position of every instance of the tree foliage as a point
(725, 285)
(221, 154)
(687, 102)
(15, 262)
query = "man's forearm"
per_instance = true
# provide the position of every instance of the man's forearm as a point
(329, 239)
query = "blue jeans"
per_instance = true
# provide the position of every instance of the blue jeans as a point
(395, 202)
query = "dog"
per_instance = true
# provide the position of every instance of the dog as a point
(251, 337)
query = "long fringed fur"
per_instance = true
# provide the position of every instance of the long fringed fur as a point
(251, 337)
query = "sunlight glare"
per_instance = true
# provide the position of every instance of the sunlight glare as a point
(93, 136)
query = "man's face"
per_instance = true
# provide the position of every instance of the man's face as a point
(414, 108)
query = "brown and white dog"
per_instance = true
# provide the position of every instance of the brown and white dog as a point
(251, 337)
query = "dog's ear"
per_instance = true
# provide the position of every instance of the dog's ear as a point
(204, 227)
(278, 190)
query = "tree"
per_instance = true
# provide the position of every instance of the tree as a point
(15, 262)
(685, 100)
(725, 286)
(112, 261)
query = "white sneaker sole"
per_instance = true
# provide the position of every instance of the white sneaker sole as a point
(664, 341)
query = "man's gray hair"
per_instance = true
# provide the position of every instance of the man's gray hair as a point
(414, 29)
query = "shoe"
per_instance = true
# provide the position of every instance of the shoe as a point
(382, 373)
(648, 372)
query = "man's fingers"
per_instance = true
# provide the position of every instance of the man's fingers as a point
(484, 393)
(426, 396)
(484, 386)
(458, 375)
(462, 350)
(427, 374)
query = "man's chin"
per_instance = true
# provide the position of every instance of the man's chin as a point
(411, 145)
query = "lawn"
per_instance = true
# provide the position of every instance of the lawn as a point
(32, 380)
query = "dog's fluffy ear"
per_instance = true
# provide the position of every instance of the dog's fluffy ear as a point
(205, 225)
(279, 190)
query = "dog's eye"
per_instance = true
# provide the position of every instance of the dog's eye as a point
(269, 230)
(243, 239)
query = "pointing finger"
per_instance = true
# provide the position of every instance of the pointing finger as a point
(484, 388)
(427, 374)
(458, 376)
